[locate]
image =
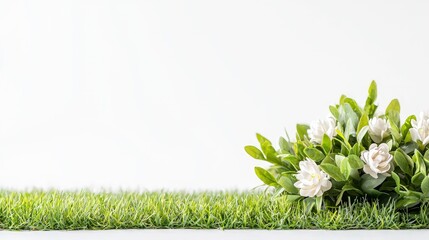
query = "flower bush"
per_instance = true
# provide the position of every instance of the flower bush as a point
(355, 153)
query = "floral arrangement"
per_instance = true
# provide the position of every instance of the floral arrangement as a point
(358, 152)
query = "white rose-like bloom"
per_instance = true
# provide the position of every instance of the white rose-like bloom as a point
(378, 129)
(321, 127)
(377, 160)
(420, 129)
(311, 180)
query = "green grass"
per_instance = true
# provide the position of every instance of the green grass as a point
(55, 210)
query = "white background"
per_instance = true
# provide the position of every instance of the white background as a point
(165, 94)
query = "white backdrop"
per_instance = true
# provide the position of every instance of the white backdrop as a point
(165, 94)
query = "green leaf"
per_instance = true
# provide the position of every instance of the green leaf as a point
(270, 153)
(397, 182)
(344, 142)
(426, 159)
(417, 179)
(334, 112)
(372, 91)
(262, 139)
(301, 131)
(347, 187)
(326, 144)
(361, 134)
(254, 152)
(370, 107)
(419, 162)
(356, 149)
(350, 129)
(339, 159)
(369, 184)
(425, 186)
(353, 104)
(266, 177)
(403, 161)
(342, 99)
(393, 112)
(427, 154)
(286, 181)
(407, 125)
(394, 131)
(345, 168)
(347, 114)
(277, 169)
(314, 154)
(409, 147)
(408, 202)
(268, 150)
(285, 145)
(329, 159)
(333, 171)
(363, 121)
(298, 148)
(293, 160)
(355, 162)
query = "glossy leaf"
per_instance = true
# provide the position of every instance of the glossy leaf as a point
(345, 168)
(355, 162)
(349, 130)
(403, 161)
(290, 159)
(369, 183)
(417, 179)
(301, 131)
(419, 162)
(397, 182)
(287, 181)
(262, 139)
(370, 107)
(254, 152)
(393, 112)
(355, 107)
(363, 121)
(405, 128)
(408, 201)
(361, 134)
(285, 145)
(314, 154)
(425, 186)
(266, 177)
(333, 171)
(334, 111)
(347, 187)
(326, 144)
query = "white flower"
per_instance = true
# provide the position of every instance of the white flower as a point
(378, 129)
(420, 129)
(311, 180)
(377, 160)
(321, 127)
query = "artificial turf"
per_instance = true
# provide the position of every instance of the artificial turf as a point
(57, 210)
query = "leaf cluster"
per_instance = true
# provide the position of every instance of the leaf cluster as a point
(340, 157)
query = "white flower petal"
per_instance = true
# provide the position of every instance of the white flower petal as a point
(377, 159)
(311, 180)
(414, 134)
(321, 127)
(379, 128)
(426, 141)
(420, 128)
